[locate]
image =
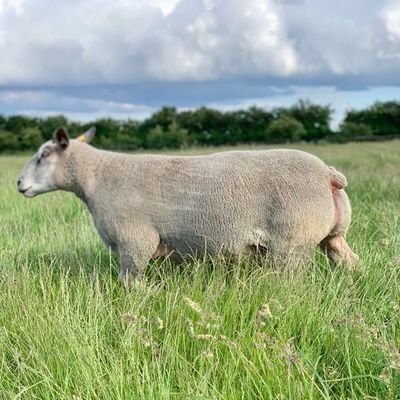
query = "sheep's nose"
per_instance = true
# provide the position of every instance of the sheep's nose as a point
(19, 182)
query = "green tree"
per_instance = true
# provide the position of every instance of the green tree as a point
(76, 129)
(107, 128)
(155, 138)
(173, 137)
(8, 141)
(382, 117)
(3, 121)
(206, 126)
(177, 136)
(285, 129)
(162, 118)
(350, 130)
(31, 138)
(16, 123)
(50, 124)
(315, 119)
(130, 134)
(248, 126)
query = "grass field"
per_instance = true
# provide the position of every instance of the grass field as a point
(200, 331)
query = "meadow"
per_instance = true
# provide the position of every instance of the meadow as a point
(203, 330)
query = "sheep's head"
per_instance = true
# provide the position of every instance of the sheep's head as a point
(42, 172)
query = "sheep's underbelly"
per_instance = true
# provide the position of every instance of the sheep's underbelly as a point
(199, 243)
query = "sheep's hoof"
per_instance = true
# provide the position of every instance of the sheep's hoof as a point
(130, 282)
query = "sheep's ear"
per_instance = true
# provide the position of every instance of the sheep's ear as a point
(61, 138)
(87, 136)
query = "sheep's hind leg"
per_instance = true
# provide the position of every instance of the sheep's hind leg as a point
(338, 251)
(335, 245)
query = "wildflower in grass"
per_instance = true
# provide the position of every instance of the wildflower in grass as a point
(160, 323)
(290, 353)
(332, 373)
(353, 320)
(373, 330)
(394, 356)
(265, 339)
(128, 318)
(146, 342)
(263, 314)
(395, 261)
(385, 242)
(207, 353)
(277, 304)
(227, 341)
(349, 280)
(395, 305)
(385, 375)
(351, 285)
(141, 331)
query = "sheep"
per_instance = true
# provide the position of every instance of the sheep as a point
(281, 203)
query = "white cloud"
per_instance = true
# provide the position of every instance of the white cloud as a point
(166, 6)
(45, 103)
(100, 42)
(391, 16)
(92, 41)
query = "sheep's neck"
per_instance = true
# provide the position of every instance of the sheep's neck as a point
(79, 173)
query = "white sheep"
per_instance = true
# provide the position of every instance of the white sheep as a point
(282, 203)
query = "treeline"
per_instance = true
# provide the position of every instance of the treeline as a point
(169, 128)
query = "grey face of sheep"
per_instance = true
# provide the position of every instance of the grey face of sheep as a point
(41, 171)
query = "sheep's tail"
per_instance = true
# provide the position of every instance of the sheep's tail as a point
(337, 179)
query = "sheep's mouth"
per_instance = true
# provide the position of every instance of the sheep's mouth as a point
(23, 191)
(27, 192)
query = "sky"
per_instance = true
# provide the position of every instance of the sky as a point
(88, 59)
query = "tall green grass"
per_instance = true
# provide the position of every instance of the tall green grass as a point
(205, 330)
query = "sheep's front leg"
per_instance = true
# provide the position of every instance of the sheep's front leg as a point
(135, 255)
(130, 271)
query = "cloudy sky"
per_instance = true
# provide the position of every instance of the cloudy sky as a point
(126, 58)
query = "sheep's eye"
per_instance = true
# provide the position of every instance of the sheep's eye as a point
(45, 153)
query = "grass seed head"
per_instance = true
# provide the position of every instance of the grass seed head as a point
(128, 318)
(207, 353)
(290, 352)
(267, 339)
(190, 326)
(194, 306)
(206, 336)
